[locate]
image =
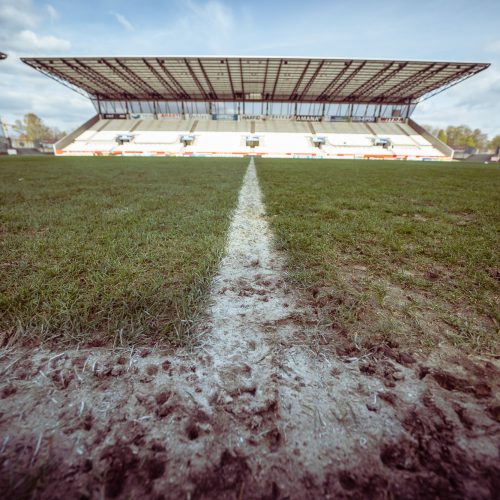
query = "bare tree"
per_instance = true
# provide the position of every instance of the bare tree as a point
(32, 128)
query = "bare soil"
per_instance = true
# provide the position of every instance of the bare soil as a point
(252, 411)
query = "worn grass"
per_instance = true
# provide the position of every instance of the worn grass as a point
(110, 250)
(403, 252)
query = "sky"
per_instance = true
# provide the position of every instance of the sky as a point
(455, 30)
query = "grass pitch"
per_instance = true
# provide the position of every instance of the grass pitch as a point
(110, 251)
(400, 252)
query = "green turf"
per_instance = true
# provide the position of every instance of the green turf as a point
(392, 250)
(110, 250)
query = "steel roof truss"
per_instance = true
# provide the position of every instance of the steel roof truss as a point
(294, 95)
(414, 80)
(311, 80)
(337, 90)
(138, 82)
(161, 79)
(207, 79)
(167, 72)
(230, 79)
(374, 82)
(326, 91)
(196, 81)
(267, 79)
(98, 83)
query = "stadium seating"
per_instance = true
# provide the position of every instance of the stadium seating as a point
(277, 138)
(283, 144)
(281, 126)
(223, 126)
(218, 143)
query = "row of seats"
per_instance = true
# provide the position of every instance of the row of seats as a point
(277, 137)
(215, 143)
(284, 126)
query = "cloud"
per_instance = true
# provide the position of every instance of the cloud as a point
(212, 13)
(18, 21)
(27, 40)
(52, 12)
(123, 21)
(475, 102)
(209, 25)
(58, 106)
(17, 13)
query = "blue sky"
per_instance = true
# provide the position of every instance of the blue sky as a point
(431, 30)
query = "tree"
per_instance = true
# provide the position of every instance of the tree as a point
(457, 136)
(442, 136)
(55, 134)
(495, 143)
(461, 137)
(32, 128)
(480, 139)
(470, 142)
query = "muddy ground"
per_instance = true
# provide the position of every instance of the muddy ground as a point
(257, 409)
(136, 424)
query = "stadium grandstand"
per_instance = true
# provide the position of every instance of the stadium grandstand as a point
(262, 106)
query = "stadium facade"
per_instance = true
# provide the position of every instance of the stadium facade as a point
(261, 106)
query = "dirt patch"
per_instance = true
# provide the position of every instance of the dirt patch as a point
(334, 420)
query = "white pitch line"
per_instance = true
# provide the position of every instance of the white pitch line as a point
(252, 341)
(247, 292)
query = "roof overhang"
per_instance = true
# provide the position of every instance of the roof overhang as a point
(269, 79)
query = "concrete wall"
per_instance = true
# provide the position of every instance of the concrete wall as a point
(65, 141)
(440, 146)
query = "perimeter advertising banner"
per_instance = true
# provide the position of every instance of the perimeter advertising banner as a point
(114, 116)
(142, 116)
(308, 118)
(224, 117)
(169, 116)
(363, 119)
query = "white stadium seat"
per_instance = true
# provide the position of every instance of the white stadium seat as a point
(277, 138)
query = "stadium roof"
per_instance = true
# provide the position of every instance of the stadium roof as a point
(272, 79)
